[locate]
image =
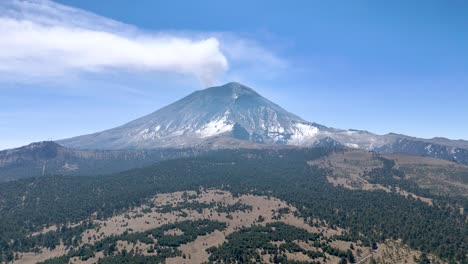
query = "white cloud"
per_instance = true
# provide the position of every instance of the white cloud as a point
(248, 52)
(42, 39)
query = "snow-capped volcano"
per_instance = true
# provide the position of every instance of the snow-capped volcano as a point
(231, 110)
(234, 115)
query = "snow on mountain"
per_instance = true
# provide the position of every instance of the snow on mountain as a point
(203, 114)
(216, 127)
(303, 134)
(234, 115)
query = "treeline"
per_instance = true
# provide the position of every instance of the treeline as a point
(163, 245)
(249, 245)
(199, 207)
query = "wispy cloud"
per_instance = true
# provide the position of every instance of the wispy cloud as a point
(42, 39)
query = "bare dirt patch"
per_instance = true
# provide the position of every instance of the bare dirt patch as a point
(31, 257)
(195, 252)
(348, 170)
(392, 252)
(262, 210)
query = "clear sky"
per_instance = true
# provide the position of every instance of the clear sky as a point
(72, 67)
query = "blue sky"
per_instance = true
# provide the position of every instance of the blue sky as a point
(73, 67)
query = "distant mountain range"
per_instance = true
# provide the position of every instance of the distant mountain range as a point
(228, 116)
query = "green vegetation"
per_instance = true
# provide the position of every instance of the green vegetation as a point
(196, 206)
(443, 180)
(135, 258)
(30, 204)
(231, 208)
(391, 177)
(244, 246)
(190, 231)
(165, 245)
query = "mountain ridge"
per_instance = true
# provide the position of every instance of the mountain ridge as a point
(202, 114)
(49, 158)
(235, 111)
(228, 116)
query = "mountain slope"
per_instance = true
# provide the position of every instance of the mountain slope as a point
(422, 147)
(232, 109)
(234, 115)
(49, 158)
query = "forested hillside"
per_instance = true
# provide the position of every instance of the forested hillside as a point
(28, 205)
